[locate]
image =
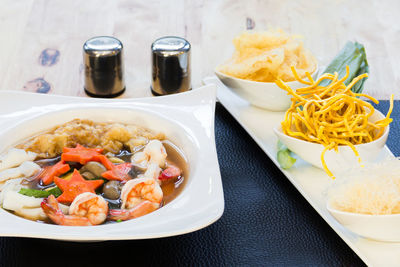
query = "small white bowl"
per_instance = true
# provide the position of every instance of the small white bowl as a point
(344, 159)
(377, 227)
(265, 95)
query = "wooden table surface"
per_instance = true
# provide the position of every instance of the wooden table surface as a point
(41, 40)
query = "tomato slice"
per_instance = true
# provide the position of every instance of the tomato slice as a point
(119, 172)
(171, 172)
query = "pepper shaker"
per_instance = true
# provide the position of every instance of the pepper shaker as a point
(170, 65)
(104, 70)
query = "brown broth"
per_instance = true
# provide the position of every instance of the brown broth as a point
(171, 189)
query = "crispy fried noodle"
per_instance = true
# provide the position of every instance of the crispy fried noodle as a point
(332, 115)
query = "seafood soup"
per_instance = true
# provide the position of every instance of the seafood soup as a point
(89, 173)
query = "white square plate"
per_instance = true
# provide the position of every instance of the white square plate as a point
(187, 119)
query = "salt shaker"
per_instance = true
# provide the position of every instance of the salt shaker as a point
(170, 65)
(104, 70)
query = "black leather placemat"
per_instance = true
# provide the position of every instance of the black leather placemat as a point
(266, 222)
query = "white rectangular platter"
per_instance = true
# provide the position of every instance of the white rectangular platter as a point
(311, 182)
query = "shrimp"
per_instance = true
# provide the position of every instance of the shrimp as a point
(126, 214)
(153, 171)
(139, 197)
(154, 152)
(86, 209)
